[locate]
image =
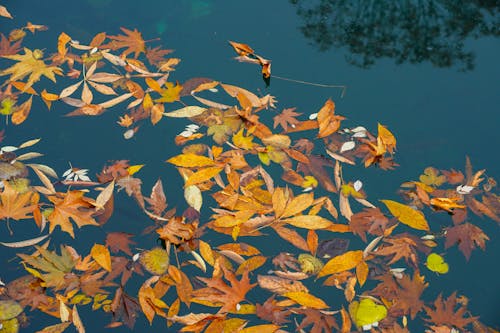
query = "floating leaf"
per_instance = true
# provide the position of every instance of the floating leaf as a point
(100, 254)
(155, 261)
(366, 312)
(436, 263)
(306, 299)
(407, 215)
(342, 263)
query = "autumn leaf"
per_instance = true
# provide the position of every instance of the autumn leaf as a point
(219, 292)
(306, 299)
(399, 247)
(407, 215)
(272, 312)
(6, 48)
(170, 93)
(100, 254)
(16, 205)
(431, 177)
(132, 40)
(342, 263)
(74, 205)
(449, 312)
(119, 241)
(468, 236)
(52, 268)
(286, 118)
(191, 160)
(328, 121)
(387, 138)
(30, 63)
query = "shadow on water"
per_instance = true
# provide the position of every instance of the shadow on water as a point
(414, 32)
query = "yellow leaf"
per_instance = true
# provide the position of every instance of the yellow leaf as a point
(203, 175)
(264, 328)
(306, 299)
(207, 253)
(21, 112)
(407, 215)
(251, 264)
(191, 160)
(100, 254)
(366, 312)
(431, 178)
(311, 222)
(436, 263)
(241, 141)
(278, 141)
(341, 263)
(387, 138)
(156, 113)
(134, 168)
(30, 63)
(447, 204)
(170, 94)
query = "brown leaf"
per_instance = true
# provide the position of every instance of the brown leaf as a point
(132, 40)
(449, 312)
(286, 118)
(328, 122)
(119, 241)
(468, 236)
(219, 292)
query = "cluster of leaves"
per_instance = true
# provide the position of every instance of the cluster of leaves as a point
(210, 286)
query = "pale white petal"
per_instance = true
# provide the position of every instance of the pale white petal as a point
(358, 129)
(359, 135)
(186, 134)
(313, 116)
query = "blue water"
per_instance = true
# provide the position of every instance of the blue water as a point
(438, 114)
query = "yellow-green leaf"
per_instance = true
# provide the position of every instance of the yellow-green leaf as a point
(436, 263)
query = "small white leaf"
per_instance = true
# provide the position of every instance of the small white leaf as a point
(358, 185)
(313, 116)
(349, 145)
(193, 197)
(464, 189)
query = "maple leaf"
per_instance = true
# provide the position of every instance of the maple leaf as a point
(404, 293)
(30, 63)
(124, 308)
(157, 55)
(286, 118)
(170, 93)
(370, 220)
(176, 231)
(52, 268)
(218, 292)
(16, 205)
(157, 200)
(74, 205)
(132, 40)
(321, 321)
(119, 241)
(468, 236)
(6, 48)
(400, 247)
(449, 312)
(272, 312)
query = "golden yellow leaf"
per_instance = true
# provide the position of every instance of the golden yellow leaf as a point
(407, 215)
(341, 263)
(100, 254)
(191, 160)
(30, 63)
(21, 112)
(170, 93)
(306, 299)
(387, 138)
(203, 175)
(447, 204)
(311, 222)
(241, 141)
(264, 328)
(251, 264)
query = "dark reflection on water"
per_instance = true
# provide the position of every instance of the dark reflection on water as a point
(407, 31)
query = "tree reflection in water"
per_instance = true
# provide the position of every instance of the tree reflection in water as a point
(411, 31)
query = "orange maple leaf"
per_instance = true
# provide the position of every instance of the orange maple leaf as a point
(72, 205)
(132, 40)
(218, 292)
(16, 205)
